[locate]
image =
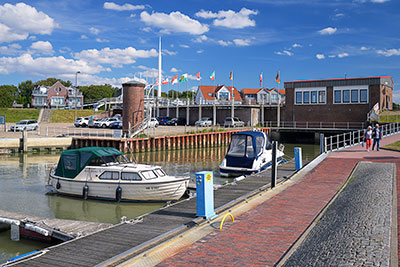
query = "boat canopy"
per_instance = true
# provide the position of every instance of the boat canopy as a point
(244, 148)
(73, 161)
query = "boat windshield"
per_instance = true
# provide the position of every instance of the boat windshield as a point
(112, 159)
(242, 145)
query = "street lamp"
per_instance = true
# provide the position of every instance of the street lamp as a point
(76, 91)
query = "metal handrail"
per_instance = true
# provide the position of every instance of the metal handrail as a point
(348, 139)
(314, 125)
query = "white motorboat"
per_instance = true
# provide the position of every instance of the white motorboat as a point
(106, 173)
(249, 152)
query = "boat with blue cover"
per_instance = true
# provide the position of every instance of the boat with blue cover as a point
(249, 152)
(106, 173)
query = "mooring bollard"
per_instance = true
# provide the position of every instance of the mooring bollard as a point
(205, 194)
(298, 158)
(274, 170)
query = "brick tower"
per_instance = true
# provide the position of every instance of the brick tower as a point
(133, 105)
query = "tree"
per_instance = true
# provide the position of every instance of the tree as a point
(25, 90)
(93, 93)
(51, 81)
(8, 94)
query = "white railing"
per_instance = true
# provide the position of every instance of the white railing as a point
(314, 125)
(340, 141)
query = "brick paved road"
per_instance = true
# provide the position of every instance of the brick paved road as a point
(355, 230)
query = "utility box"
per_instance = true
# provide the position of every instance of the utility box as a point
(205, 194)
(298, 158)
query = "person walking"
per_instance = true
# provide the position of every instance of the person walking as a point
(377, 136)
(368, 137)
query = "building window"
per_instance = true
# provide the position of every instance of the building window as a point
(350, 94)
(313, 95)
(299, 98)
(354, 96)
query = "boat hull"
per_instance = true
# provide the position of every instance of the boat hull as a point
(131, 191)
(235, 171)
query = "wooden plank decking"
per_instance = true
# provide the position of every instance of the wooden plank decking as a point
(155, 227)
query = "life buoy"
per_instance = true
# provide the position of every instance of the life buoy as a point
(58, 185)
(118, 194)
(85, 191)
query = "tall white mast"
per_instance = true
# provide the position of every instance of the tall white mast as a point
(159, 69)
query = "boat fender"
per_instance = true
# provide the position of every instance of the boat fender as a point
(118, 194)
(85, 191)
(58, 185)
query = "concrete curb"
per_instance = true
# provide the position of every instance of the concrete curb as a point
(394, 249)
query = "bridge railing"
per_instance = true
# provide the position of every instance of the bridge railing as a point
(315, 125)
(344, 140)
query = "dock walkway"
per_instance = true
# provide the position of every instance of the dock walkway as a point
(265, 234)
(150, 230)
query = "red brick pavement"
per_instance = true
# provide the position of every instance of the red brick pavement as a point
(262, 235)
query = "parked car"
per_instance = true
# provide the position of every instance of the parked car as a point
(163, 120)
(233, 122)
(176, 121)
(153, 123)
(92, 121)
(104, 123)
(81, 122)
(116, 125)
(28, 125)
(203, 122)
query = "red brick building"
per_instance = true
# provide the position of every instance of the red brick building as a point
(56, 96)
(336, 100)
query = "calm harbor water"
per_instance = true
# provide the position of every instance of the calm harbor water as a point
(23, 179)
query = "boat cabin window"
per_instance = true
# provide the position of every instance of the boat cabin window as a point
(259, 144)
(70, 162)
(149, 175)
(238, 146)
(130, 176)
(99, 161)
(109, 176)
(249, 147)
(160, 172)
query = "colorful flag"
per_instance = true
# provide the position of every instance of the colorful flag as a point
(183, 78)
(376, 107)
(261, 79)
(198, 75)
(174, 80)
(277, 78)
(212, 76)
(165, 81)
(231, 76)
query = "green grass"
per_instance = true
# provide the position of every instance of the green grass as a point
(389, 116)
(66, 116)
(395, 146)
(17, 114)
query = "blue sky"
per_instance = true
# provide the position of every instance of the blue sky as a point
(113, 42)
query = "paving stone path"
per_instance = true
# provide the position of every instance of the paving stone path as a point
(355, 230)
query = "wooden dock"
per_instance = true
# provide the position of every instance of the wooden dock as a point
(129, 239)
(49, 229)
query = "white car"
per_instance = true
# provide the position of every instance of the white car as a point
(203, 122)
(104, 123)
(82, 122)
(28, 125)
(153, 123)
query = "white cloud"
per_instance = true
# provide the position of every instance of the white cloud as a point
(84, 37)
(396, 96)
(124, 7)
(230, 18)
(174, 70)
(148, 72)
(363, 48)
(224, 43)
(284, 53)
(320, 56)
(32, 37)
(116, 57)
(94, 30)
(379, 1)
(11, 49)
(241, 42)
(146, 29)
(169, 53)
(200, 51)
(46, 66)
(174, 22)
(327, 31)
(184, 46)
(296, 45)
(342, 55)
(389, 52)
(42, 47)
(19, 20)
(99, 40)
(200, 39)
(332, 56)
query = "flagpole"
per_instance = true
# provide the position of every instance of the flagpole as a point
(233, 99)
